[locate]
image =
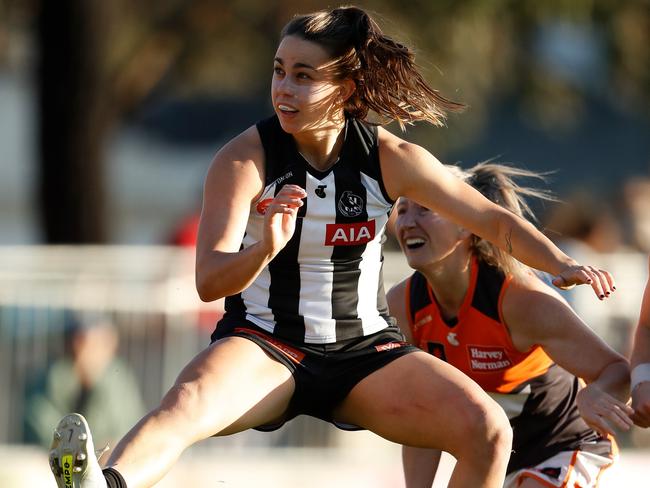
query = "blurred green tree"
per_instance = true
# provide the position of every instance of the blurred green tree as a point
(100, 60)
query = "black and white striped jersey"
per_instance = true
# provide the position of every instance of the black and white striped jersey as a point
(326, 285)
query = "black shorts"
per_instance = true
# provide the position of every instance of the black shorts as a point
(324, 373)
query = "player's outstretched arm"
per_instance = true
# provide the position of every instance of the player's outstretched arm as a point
(411, 171)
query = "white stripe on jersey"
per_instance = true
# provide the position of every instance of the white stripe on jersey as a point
(367, 287)
(375, 195)
(316, 279)
(371, 263)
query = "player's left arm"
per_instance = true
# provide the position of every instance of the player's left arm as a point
(640, 362)
(411, 171)
(537, 315)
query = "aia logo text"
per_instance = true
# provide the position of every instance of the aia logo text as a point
(349, 234)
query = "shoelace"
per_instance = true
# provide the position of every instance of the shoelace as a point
(100, 452)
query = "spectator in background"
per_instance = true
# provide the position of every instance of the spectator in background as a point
(640, 362)
(636, 208)
(89, 379)
(584, 225)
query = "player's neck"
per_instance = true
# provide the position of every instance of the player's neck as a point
(321, 147)
(449, 281)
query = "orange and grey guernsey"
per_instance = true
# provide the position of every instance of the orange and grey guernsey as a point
(326, 284)
(538, 396)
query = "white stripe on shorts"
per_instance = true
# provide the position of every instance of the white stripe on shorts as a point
(573, 468)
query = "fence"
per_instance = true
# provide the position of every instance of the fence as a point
(149, 293)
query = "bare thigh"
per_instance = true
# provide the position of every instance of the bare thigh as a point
(417, 400)
(232, 385)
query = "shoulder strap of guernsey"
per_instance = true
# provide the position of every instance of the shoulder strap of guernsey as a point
(418, 294)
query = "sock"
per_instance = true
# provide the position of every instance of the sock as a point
(113, 478)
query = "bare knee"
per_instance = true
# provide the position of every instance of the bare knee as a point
(498, 431)
(181, 402)
(171, 427)
(186, 414)
(485, 431)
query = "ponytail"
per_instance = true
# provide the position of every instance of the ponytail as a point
(388, 82)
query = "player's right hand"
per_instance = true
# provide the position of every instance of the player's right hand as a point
(280, 217)
(602, 412)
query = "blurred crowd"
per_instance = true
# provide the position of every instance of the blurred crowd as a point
(607, 222)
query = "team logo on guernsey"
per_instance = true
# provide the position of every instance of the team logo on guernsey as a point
(486, 359)
(452, 339)
(349, 234)
(350, 205)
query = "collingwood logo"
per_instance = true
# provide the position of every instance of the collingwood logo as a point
(350, 205)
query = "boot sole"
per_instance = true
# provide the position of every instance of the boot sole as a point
(69, 454)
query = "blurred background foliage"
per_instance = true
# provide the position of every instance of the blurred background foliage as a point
(475, 51)
(534, 75)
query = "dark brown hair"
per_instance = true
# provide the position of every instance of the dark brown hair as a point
(388, 82)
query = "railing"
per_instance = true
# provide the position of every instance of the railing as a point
(148, 293)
